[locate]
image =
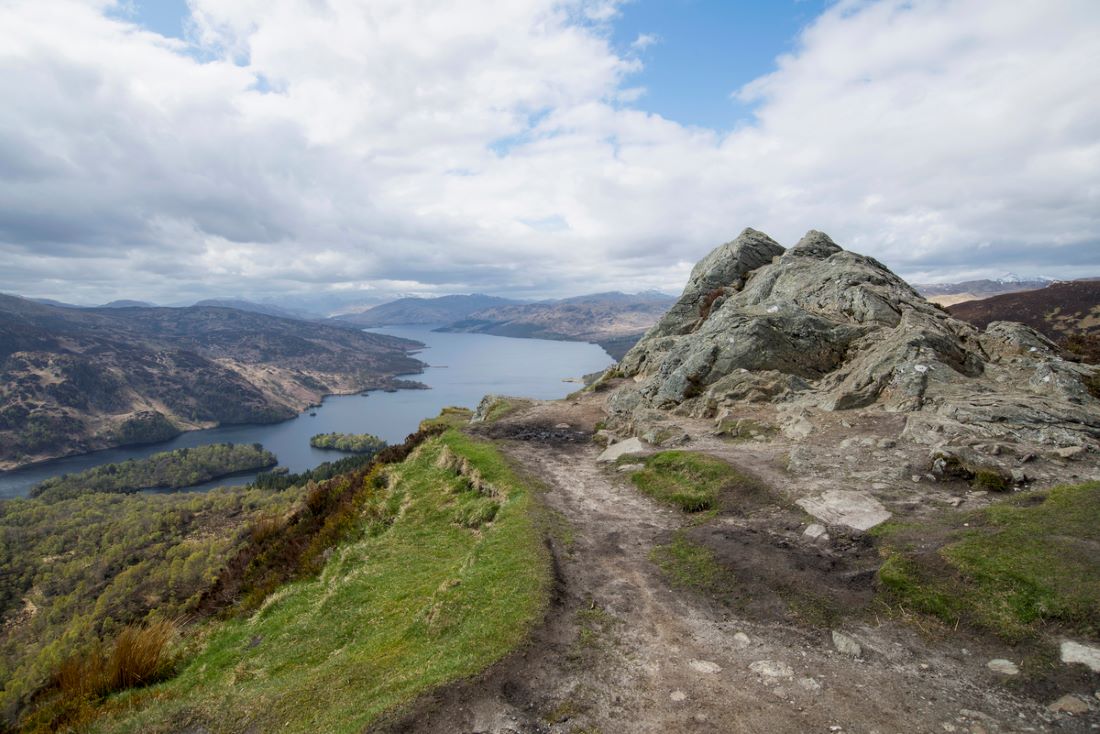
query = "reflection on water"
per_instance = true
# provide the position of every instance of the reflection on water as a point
(464, 368)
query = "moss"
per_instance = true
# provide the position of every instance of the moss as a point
(990, 481)
(1019, 566)
(449, 417)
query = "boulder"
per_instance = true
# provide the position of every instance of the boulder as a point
(622, 448)
(855, 509)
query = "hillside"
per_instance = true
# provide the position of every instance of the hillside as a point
(947, 294)
(613, 320)
(76, 380)
(264, 308)
(409, 311)
(1057, 311)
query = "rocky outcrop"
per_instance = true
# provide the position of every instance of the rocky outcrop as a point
(824, 328)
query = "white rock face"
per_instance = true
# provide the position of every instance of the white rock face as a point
(857, 510)
(1075, 652)
(622, 448)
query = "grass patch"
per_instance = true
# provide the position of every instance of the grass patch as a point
(417, 600)
(691, 481)
(1020, 565)
(689, 565)
(449, 417)
(499, 408)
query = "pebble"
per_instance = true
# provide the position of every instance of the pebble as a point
(809, 684)
(846, 644)
(741, 639)
(705, 666)
(1069, 704)
(771, 669)
(814, 531)
(677, 696)
(1002, 666)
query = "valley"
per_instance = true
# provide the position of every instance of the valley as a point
(79, 380)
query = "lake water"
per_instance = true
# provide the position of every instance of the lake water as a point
(464, 367)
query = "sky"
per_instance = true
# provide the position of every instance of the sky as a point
(167, 151)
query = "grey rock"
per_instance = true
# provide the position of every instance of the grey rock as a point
(814, 531)
(821, 327)
(622, 448)
(853, 508)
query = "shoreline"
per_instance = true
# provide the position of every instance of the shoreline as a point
(38, 463)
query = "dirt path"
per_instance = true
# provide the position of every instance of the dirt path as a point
(623, 652)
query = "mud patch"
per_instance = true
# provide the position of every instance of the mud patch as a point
(539, 432)
(776, 574)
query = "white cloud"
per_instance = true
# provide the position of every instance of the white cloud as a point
(492, 146)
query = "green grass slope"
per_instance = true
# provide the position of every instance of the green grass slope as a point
(421, 598)
(1016, 568)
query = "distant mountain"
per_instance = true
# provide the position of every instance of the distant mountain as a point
(52, 302)
(408, 311)
(123, 303)
(1060, 310)
(947, 294)
(76, 380)
(253, 307)
(613, 320)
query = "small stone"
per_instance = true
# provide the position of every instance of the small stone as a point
(1069, 452)
(814, 531)
(741, 639)
(1069, 704)
(700, 718)
(809, 684)
(562, 426)
(624, 468)
(677, 696)
(887, 443)
(705, 666)
(955, 501)
(1002, 666)
(771, 669)
(915, 478)
(846, 644)
(1075, 652)
(1019, 476)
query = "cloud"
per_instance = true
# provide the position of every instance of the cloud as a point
(297, 146)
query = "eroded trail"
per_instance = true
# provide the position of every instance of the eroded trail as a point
(622, 651)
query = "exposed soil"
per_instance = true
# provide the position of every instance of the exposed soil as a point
(622, 650)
